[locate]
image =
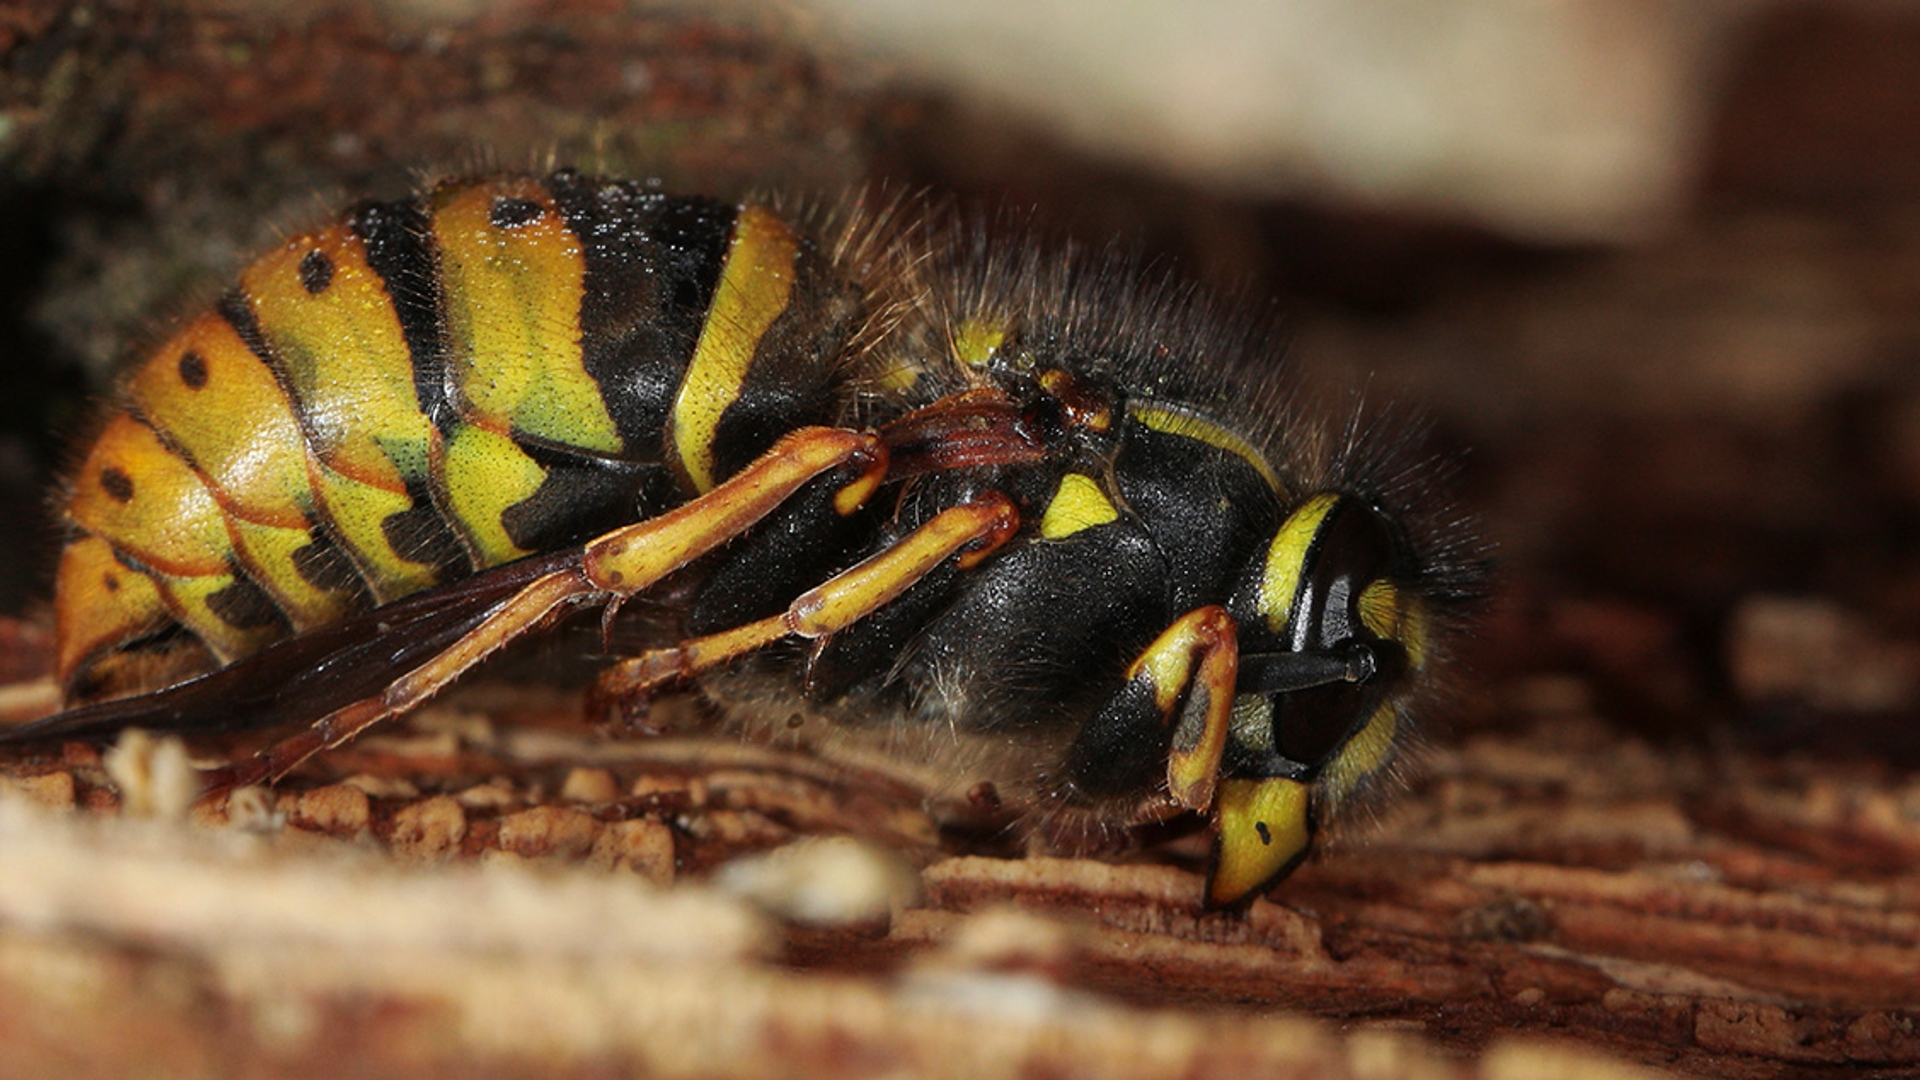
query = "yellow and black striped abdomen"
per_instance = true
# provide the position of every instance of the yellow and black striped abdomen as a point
(433, 386)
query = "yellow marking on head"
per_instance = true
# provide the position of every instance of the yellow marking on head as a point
(1396, 616)
(1380, 608)
(514, 275)
(1367, 752)
(217, 401)
(1252, 722)
(1173, 420)
(1077, 504)
(977, 340)
(753, 290)
(1287, 556)
(1262, 831)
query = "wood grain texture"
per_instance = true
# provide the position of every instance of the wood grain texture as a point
(1707, 913)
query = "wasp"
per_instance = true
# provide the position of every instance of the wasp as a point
(1012, 511)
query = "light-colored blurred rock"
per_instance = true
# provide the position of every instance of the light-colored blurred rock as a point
(1551, 119)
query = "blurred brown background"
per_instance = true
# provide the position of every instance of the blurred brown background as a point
(1651, 268)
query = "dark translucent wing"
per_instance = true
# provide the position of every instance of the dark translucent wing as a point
(304, 677)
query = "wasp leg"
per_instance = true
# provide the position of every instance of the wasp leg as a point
(1261, 827)
(1186, 680)
(611, 568)
(1179, 690)
(524, 611)
(632, 558)
(973, 530)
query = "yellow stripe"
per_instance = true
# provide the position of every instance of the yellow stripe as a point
(134, 493)
(1287, 556)
(1367, 752)
(210, 395)
(358, 513)
(753, 291)
(481, 473)
(1262, 828)
(344, 357)
(1078, 504)
(99, 604)
(1177, 421)
(268, 554)
(189, 598)
(513, 317)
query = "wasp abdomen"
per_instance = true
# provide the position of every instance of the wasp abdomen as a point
(438, 385)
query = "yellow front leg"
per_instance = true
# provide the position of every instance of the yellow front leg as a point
(1196, 659)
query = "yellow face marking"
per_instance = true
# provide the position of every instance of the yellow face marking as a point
(219, 403)
(1077, 504)
(1380, 608)
(1395, 616)
(98, 604)
(1286, 557)
(143, 499)
(514, 275)
(327, 317)
(752, 292)
(1263, 830)
(1177, 421)
(1367, 752)
(977, 340)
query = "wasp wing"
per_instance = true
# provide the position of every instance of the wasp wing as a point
(307, 676)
